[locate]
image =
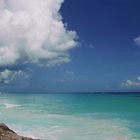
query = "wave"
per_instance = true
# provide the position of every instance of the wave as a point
(7, 105)
(65, 127)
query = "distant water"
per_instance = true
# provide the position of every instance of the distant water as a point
(72, 116)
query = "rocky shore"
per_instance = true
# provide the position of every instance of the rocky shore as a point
(8, 134)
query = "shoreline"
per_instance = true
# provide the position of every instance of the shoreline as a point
(7, 134)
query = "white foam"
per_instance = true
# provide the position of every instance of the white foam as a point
(63, 127)
(7, 105)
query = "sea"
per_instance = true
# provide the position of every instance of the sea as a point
(72, 116)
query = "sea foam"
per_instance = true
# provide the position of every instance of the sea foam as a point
(7, 105)
(65, 127)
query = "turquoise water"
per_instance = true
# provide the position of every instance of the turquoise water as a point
(72, 116)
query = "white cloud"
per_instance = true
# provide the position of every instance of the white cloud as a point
(138, 78)
(32, 30)
(70, 72)
(91, 46)
(130, 83)
(61, 80)
(137, 40)
(7, 76)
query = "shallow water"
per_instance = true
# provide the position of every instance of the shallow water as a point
(72, 116)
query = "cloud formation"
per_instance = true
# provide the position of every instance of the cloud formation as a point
(137, 40)
(130, 83)
(70, 72)
(33, 31)
(7, 76)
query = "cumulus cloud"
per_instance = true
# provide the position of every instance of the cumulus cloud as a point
(137, 40)
(33, 31)
(130, 83)
(7, 76)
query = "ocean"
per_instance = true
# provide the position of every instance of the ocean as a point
(74, 116)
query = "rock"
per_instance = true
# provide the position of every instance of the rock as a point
(8, 134)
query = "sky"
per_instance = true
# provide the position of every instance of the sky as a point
(69, 46)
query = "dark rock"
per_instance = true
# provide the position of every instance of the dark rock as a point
(8, 134)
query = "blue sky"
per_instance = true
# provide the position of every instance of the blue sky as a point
(104, 55)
